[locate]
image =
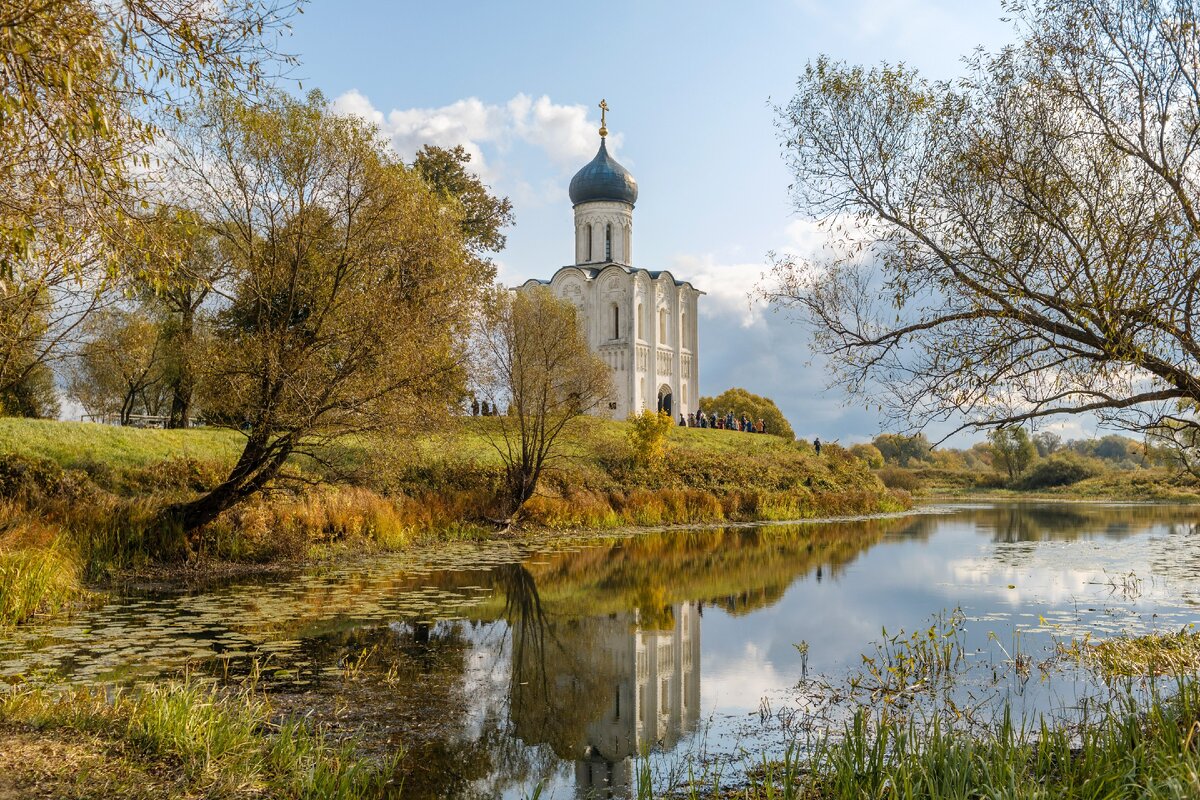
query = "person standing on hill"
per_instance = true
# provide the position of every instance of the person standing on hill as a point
(817, 445)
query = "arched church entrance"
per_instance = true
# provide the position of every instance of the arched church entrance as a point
(664, 399)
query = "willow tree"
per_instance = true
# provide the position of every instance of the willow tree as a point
(347, 303)
(534, 363)
(86, 87)
(1018, 244)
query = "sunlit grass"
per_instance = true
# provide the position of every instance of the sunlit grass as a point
(77, 444)
(38, 580)
(1154, 654)
(215, 744)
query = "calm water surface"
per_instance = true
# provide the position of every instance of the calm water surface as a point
(500, 666)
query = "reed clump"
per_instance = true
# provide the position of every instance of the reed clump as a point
(1150, 655)
(38, 580)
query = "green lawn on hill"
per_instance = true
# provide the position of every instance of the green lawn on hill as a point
(74, 445)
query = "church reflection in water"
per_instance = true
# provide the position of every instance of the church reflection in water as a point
(655, 698)
(622, 685)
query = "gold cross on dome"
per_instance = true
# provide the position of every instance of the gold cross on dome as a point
(603, 112)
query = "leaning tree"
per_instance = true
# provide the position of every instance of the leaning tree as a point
(1018, 244)
(347, 295)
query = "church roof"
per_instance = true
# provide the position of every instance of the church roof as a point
(591, 271)
(603, 178)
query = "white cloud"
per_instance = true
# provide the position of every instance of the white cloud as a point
(728, 286)
(914, 24)
(731, 286)
(563, 133)
(741, 683)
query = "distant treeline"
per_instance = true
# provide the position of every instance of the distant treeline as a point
(1014, 458)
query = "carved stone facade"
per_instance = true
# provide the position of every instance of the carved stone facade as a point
(643, 325)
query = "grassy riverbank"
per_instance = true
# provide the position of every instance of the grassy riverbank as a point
(1129, 748)
(1142, 741)
(79, 501)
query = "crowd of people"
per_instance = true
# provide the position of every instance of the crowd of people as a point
(724, 422)
(479, 409)
(727, 422)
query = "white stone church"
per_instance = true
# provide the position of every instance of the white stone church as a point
(641, 322)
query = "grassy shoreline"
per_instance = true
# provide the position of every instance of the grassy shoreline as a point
(78, 501)
(181, 739)
(187, 739)
(1140, 486)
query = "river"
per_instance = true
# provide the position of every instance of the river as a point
(571, 663)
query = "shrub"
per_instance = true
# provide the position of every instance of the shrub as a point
(899, 478)
(29, 479)
(647, 437)
(1058, 470)
(869, 454)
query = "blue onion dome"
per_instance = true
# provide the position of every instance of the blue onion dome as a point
(603, 178)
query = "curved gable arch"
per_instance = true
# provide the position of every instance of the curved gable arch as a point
(570, 272)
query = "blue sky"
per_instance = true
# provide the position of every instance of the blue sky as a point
(690, 87)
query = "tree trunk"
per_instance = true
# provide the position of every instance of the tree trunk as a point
(183, 386)
(127, 406)
(521, 483)
(181, 403)
(256, 467)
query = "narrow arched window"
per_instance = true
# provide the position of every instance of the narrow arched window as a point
(608, 242)
(616, 321)
(589, 249)
(641, 333)
(662, 326)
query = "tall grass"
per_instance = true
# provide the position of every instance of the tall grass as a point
(38, 580)
(1133, 747)
(651, 507)
(220, 744)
